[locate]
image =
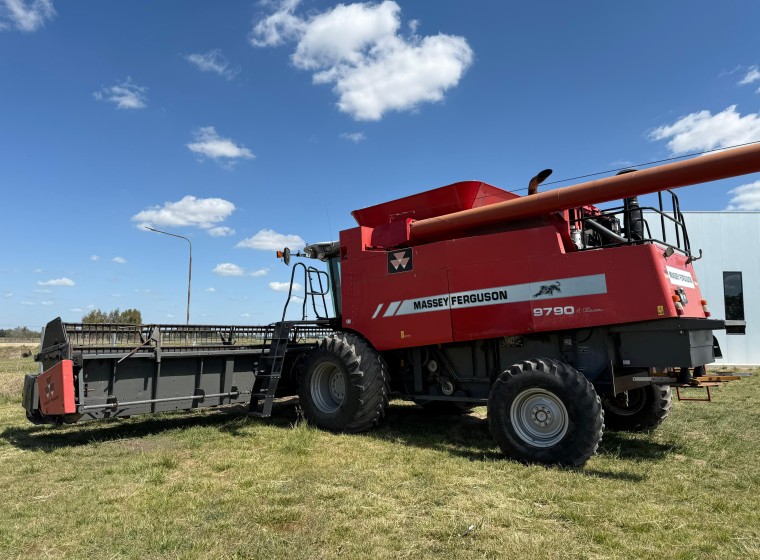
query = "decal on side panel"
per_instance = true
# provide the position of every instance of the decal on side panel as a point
(548, 289)
(679, 277)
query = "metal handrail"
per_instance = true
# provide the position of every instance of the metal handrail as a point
(310, 292)
(682, 244)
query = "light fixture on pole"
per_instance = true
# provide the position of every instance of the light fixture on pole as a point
(190, 269)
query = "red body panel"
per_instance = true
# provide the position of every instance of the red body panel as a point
(390, 221)
(437, 202)
(507, 283)
(56, 389)
(471, 261)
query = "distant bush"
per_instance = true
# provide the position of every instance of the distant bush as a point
(126, 317)
(19, 333)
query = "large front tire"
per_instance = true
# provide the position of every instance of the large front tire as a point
(639, 409)
(344, 385)
(544, 411)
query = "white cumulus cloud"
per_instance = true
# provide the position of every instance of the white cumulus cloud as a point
(214, 61)
(25, 15)
(354, 137)
(119, 260)
(285, 286)
(57, 282)
(126, 95)
(94, 258)
(228, 269)
(358, 48)
(208, 144)
(221, 231)
(204, 213)
(211, 290)
(745, 197)
(281, 26)
(270, 240)
(704, 131)
(46, 303)
(260, 272)
(752, 75)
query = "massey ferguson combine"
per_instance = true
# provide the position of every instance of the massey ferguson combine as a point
(559, 316)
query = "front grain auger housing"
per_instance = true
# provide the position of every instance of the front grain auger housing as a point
(561, 317)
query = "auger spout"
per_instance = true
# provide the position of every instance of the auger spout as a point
(721, 165)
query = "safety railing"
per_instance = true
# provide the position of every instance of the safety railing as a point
(632, 225)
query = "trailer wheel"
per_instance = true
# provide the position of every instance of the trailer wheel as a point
(36, 417)
(644, 409)
(344, 385)
(544, 411)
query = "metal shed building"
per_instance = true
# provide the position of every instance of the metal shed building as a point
(729, 277)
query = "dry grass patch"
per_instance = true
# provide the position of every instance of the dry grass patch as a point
(13, 366)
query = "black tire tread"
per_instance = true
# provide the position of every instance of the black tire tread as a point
(367, 374)
(659, 401)
(588, 415)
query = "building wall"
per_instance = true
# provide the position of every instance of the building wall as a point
(730, 241)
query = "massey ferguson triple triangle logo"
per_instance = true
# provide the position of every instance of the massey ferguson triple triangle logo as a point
(400, 261)
(49, 389)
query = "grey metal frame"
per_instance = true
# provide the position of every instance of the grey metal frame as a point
(125, 370)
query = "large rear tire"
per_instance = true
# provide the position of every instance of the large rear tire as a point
(544, 411)
(637, 410)
(344, 385)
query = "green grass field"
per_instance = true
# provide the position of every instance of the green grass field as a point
(218, 485)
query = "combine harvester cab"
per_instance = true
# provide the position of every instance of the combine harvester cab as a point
(559, 316)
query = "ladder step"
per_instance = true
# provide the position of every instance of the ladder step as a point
(271, 365)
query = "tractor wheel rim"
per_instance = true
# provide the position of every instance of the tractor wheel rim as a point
(636, 401)
(539, 418)
(328, 387)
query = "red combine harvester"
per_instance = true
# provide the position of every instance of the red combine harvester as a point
(558, 315)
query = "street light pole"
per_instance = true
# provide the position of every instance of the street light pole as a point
(190, 269)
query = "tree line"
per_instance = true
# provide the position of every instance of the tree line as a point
(126, 317)
(20, 333)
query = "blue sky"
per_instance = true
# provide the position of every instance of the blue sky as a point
(248, 125)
